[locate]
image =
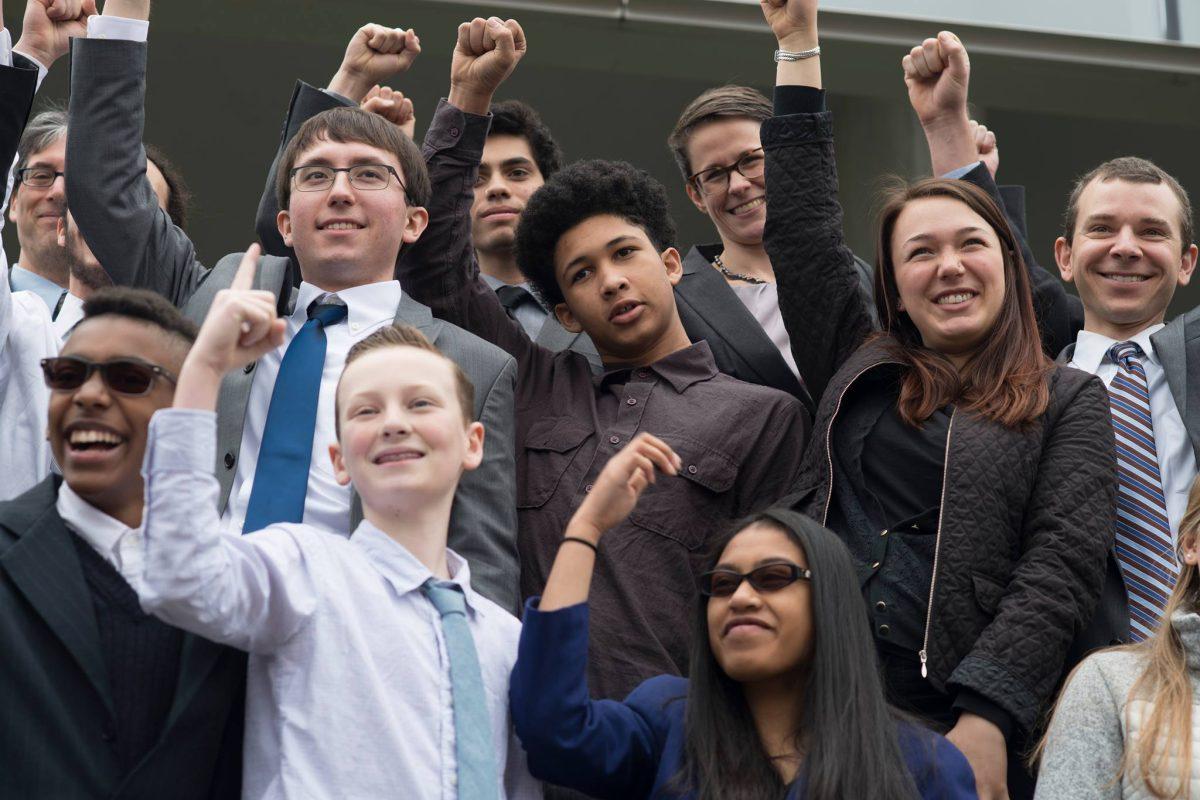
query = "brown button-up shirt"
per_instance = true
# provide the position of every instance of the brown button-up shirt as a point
(740, 443)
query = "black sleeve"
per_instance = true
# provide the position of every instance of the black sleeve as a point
(798, 100)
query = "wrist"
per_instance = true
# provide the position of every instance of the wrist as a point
(35, 53)
(349, 84)
(944, 123)
(470, 99)
(799, 41)
(583, 529)
(130, 9)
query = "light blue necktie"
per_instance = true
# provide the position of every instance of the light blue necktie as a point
(1144, 542)
(473, 747)
(281, 473)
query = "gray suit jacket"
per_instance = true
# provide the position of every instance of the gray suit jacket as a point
(139, 246)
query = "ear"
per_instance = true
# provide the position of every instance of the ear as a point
(283, 221)
(415, 224)
(12, 207)
(1188, 265)
(674, 265)
(474, 455)
(1189, 548)
(696, 198)
(339, 465)
(1062, 257)
(567, 319)
(61, 231)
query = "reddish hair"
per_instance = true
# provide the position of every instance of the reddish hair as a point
(1005, 379)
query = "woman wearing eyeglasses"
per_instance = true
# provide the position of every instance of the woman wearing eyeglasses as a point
(783, 700)
(971, 478)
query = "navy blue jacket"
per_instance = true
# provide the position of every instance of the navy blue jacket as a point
(633, 749)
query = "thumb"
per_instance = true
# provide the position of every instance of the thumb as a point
(501, 35)
(958, 64)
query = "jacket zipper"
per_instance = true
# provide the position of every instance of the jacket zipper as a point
(937, 548)
(829, 436)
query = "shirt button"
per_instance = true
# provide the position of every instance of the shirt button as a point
(614, 439)
(883, 532)
(454, 132)
(587, 488)
(643, 373)
(875, 565)
(354, 326)
(881, 606)
(229, 459)
(884, 630)
(692, 469)
(631, 402)
(248, 368)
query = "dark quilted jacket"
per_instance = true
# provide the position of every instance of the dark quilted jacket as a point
(1027, 516)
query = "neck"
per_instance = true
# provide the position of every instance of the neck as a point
(500, 265)
(53, 268)
(78, 288)
(775, 708)
(673, 340)
(420, 528)
(1119, 331)
(748, 260)
(342, 276)
(127, 511)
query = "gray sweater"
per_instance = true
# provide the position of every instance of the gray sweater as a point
(1091, 728)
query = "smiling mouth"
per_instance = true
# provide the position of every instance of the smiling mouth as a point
(736, 624)
(749, 206)
(955, 298)
(84, 440)
(341, 226)
(1124, 277)
(397, 457)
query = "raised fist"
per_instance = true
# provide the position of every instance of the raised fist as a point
(485, 55)
(392, 106)
(375, 54)
(49, 25)
(985, 145)
(794, 22)
(937, 73)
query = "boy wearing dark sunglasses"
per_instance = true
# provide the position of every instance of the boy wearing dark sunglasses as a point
(99, 698)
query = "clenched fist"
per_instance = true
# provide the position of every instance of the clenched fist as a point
(375, 54)
(485, 55)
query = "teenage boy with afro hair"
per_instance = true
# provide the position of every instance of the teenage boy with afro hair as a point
(597, 242)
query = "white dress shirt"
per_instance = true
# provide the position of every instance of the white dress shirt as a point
(70, 313)
(327, 505)
(348, 693)
(1176, 459)
(118, 545)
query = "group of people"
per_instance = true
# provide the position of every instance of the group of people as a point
(462, 481)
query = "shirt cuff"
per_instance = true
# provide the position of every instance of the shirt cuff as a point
(6, 57)
(453, 127)
(181, 439)
(798, 100)
(973, 703)
(100, 26)
(955, 174)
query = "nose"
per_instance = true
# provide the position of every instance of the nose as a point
(1126, 246)
(949, 264)
(396, 424)
(92, 393)
(496, 188)
(58, 188)
(744, 598)
(612, 280)
(341, 191)
(738, 183)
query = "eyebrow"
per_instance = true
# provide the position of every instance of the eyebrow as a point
(354, 162)
(608, 245)
(1143, 221)
(959, 232)
(736, 159)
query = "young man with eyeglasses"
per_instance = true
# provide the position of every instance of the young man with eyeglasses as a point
(101, 699)
(276, 415)
(727, 294)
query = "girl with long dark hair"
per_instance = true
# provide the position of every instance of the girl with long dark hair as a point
(972, 479)
(1125, 724)
(784, 699)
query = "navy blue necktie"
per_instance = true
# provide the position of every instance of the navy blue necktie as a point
(284, 457)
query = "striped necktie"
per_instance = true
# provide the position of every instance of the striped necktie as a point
(1144, 544)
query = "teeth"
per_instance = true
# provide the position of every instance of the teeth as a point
(1127, 278)
(753, 204)
(961, 297)
(342, 226)
(94, 437)
(390, 457)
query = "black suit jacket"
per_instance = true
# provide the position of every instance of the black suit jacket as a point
(56, 716)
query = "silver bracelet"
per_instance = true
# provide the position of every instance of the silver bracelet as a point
(785, 55)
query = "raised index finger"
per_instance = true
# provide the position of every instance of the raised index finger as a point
(244, 278)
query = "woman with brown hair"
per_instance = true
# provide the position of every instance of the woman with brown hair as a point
(1123, 727)
(972, 479)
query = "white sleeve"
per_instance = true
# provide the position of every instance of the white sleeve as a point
(251, 592)
(100, 26)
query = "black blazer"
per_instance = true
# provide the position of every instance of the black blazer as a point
(56, 716)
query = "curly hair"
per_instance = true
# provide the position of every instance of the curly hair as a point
(578, 192)
(514, 118)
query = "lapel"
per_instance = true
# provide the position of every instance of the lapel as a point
(1177, 346)
(410, 312)
(706, 295)
(44, 566)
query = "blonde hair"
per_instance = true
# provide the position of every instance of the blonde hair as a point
(1164, 684)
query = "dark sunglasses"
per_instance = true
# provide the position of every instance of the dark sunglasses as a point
(767, 578)
(128, 376)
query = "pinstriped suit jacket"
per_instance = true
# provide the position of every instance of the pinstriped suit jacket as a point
(56, 709)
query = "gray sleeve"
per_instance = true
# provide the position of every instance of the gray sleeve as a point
(483, 525)
(1085, 742)
(110, 197)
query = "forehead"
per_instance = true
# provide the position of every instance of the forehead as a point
(396, 369)
(1125, 199)
(108, 337)
(721, 141)
(593, 235)
(53, 156)
(936, 216)
(504, 147)
(759, 541)
(346, 154)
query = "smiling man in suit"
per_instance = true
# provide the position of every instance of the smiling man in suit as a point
(100, 699)
(347, 225)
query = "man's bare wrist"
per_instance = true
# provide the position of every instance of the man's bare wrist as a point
(470, 100)
(34, 53)
(349, 85)
(130, 9)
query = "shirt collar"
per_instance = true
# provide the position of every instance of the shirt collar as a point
(402, 569)
(91, 524)
(685, 367)
(366, 305)
(1091, 349)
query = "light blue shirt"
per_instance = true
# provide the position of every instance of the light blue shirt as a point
(22, 280)
(531, 314)
(348, 691)
(1176, 459)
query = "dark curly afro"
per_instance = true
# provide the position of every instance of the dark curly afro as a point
(578, 192)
